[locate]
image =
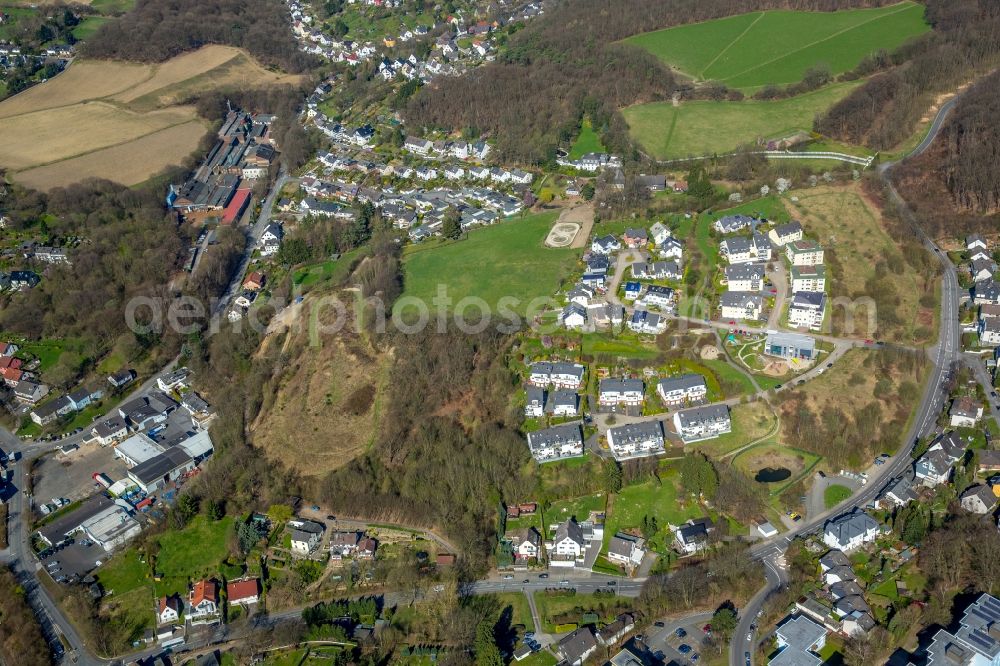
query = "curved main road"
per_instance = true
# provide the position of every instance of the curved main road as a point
(946, 352)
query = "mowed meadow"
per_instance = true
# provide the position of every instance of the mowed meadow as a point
(120, 121)
(505, 259)
(704, 128)
(752, 50)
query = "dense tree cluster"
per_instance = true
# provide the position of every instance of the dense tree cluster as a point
(885, 110)
(568, 62)
(21, 640)
(971, 160)
(155, 31)
(448, 450)
(129, 247)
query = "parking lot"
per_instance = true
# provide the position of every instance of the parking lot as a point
(680, 642)
(75, 559)
(71, 475)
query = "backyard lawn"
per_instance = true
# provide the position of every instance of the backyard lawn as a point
(656, 500)
(580, 507)
(195, 551)
(587, 142)
(505, 259)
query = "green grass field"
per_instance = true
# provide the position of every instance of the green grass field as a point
(586, 142)
(195, 551)
(112, 7)
(89, 26)
(752, 50)
(649, 499)
(506, 259)
(835, 494)
(705, 127)
(518, 605)
(578, 507)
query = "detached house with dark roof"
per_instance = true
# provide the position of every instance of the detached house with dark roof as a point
(934, 466)
(850, 531)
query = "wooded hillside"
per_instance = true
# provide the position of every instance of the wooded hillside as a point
(885, 111)
(954, 186)
(567, 62)
(21, 640)
(128, 247)
(155, 31)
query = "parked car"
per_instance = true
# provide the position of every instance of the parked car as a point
(684, 648)
(680, 633)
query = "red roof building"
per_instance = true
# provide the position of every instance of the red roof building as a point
(243, 591)
(236, 206)
(204, 590)
(10, 362)
(11, 374)
(254, 281)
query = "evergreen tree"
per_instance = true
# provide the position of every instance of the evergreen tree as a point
(487, 652)
(452, 225)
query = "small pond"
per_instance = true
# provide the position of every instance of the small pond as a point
(772, 474)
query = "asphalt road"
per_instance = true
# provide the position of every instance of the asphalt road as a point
(943, 355)
(54, 621)
(19, 554)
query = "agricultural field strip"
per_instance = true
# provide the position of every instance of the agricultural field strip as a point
(730, 44)
(810, 45)
(152, 130)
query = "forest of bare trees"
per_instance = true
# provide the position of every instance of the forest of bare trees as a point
(885, 110)
(155, 31)
(21, 640)
(952, 187)
(534, 96)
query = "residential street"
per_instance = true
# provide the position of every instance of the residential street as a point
(943, 354)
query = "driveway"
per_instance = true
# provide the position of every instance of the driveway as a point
(779, 278)
(624, 260)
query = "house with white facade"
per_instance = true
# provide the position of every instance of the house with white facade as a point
(783, 234)
(965, 412)
(705, 422)
(934, 466)
(804, 253)
(683, 389)
(808, 278)
(626, 550)
(850, 530)
(745, 277)
(807, 310)
(635, 440)
(614, 391)
(741, 305)
(556, 443)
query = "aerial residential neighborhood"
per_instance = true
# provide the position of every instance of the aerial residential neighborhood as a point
(617, 332)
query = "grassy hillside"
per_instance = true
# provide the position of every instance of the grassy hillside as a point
(752, 50)
(704, 127)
